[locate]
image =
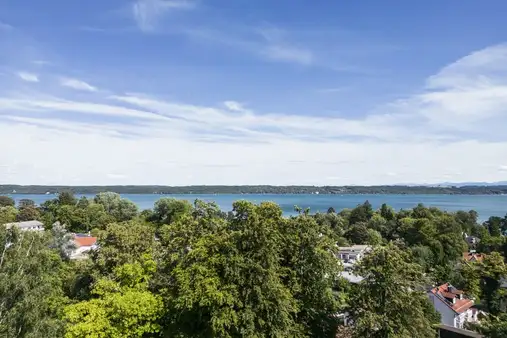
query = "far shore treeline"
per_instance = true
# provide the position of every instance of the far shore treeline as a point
(258, 189)
(191, 270)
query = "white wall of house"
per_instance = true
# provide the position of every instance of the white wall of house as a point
(80, 252)
(447, 314)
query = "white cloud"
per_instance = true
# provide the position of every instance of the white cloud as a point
(406, 141)
(469, 91)
(29, 77)
(147, 13)
(41, 62)
(288, 54)
(77, 84)
(235, 106)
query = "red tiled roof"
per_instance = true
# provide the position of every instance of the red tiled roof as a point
(460, 305)
(472, 256)
(85, 241)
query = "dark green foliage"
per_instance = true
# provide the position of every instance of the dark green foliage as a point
(494, 226)
(361, 213)
(390, 301)
(256, 275)
(26, 203)
(493, 326)
(183, 270)
(358, 234)
(67, 198)
(168, 210)
(30, 286)
(6, 201)
(28, 213)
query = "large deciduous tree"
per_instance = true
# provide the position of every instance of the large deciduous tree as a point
(254, 274)
(121, 307)
(121, 209)
(30, 285)
(389, 302)
(6, 201)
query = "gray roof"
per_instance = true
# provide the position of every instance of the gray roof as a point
(25, 225)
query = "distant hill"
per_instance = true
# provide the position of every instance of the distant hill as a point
(467, 184)
(451, 189)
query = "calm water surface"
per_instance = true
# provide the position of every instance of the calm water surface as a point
(485, 205)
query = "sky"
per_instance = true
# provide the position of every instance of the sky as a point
(187, 92)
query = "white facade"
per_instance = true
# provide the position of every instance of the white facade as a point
(81, 252)
(353, 253)
(27, 225)
(454, 312)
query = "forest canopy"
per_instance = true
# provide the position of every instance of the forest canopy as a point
(192, 270)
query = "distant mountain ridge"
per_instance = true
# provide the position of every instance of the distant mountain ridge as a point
(468, 184)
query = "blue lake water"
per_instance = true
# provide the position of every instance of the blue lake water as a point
(485, 205)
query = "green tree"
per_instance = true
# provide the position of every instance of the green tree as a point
(388, 302)
(255, 274)
(361, 213)
(62, 241)
(493, 326)
(387, 212)
(121, 209)
(122, 306)
(26, 203)
(493, 271)
(494, 226)
(30, 285)
(28, 213)
(358, 234)
(374, 237)
(168, 210)
(123, 243)
(471, 272)
(67, 198)
(8, 214)
(6, 201)
(83, 203)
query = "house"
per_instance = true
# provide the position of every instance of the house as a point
(351, 254)
(27, 225)
(455, 309)
(83, 245)
(473, 256)
(472, 240)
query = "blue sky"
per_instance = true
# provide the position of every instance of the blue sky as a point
(252, 92)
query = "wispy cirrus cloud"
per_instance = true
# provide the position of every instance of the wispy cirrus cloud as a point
(28, 77)
(5, 26)
(77, 84)
(409, 140)
(288, 54)
(148, 13)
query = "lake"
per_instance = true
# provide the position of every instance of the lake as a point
(485, 205)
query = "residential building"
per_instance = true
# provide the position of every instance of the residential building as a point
(454, 307)
(472, 240)
(473, 256)
(83, 245)
(352, 254)
(349, 256)
(27, 225)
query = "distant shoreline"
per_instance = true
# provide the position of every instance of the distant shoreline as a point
(259, 190)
